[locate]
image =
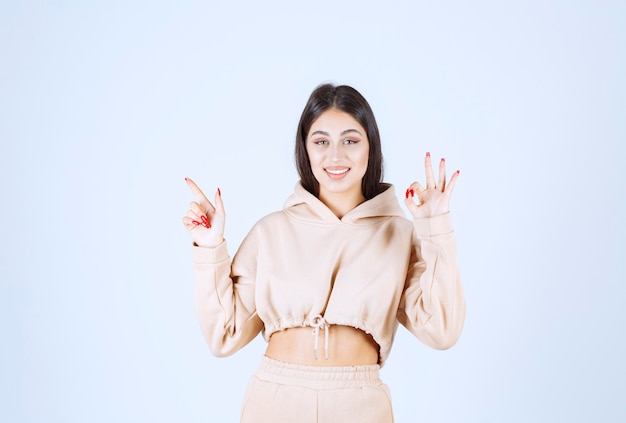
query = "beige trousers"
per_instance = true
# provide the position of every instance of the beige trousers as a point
(283, 392)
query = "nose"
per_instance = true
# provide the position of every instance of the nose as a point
(336, 152)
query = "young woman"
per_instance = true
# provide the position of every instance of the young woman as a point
(328, 278)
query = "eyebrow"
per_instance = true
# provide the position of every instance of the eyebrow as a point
(347, 131)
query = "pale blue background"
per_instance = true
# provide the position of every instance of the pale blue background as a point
(106, 106)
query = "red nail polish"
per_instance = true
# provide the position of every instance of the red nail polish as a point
(204, 220)
(428, 154)
(407, 193)
(412, 193)
(186, 178)
(219, 192)
(458, 172)
(443, 159)
(195, 222)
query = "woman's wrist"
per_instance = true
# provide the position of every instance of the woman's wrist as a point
(209, 244)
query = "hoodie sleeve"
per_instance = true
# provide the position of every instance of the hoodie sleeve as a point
(432, 306)
(224, 296)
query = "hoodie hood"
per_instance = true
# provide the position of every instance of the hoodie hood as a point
(304, 206)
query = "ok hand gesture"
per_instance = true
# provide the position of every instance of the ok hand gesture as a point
(205, 222)
(435, 198)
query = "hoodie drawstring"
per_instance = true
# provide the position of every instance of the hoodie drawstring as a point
(318, 322)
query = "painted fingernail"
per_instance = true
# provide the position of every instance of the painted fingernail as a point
(407, 193)
(443, 159)
(458, 172)
(195, 222)
(428, 154)
(412, 193)
(205, 221)
(219, 192)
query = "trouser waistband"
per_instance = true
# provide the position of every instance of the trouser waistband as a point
(318, 377)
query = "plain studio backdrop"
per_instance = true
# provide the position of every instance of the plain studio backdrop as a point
(105, 107)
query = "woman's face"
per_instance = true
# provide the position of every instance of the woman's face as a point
(338, 150)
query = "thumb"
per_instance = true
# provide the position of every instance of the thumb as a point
(219, 204)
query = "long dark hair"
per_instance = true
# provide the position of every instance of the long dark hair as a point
(348, 100)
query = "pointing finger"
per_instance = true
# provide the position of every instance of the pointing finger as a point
(197, 192)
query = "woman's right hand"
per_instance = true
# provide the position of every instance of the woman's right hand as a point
(205, 222)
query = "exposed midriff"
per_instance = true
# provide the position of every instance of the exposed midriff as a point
(347, 346)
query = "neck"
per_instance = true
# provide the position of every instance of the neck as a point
(341, 203)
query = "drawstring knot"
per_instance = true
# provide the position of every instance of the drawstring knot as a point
(318, 322)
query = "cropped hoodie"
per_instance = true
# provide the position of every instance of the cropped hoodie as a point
(370, 269)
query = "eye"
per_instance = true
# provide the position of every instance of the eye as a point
(349, 141)
(320, 142)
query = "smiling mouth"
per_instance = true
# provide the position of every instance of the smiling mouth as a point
(337, 172)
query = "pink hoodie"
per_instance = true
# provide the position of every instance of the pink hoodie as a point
(371, 269)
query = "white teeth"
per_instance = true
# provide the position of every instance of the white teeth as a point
(337, 172)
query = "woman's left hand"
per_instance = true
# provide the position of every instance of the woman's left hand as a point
(435, 198)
